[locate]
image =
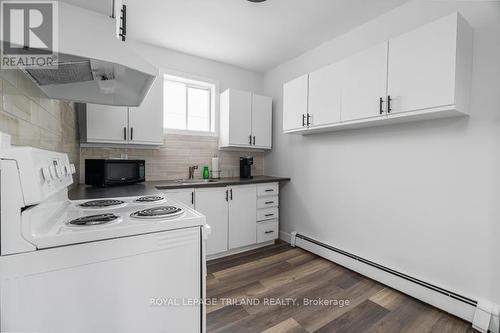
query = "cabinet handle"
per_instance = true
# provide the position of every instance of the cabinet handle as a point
(381, 101)
(308, 117)
(269, 202)
(268, 215)
(303, 120)
(389, 99)
(131, 133)
(269, 232)
(227, 197)
(254, 140)
(192, 198)
(125, 133)
(269, 190)
(250, 139)
(231, 191)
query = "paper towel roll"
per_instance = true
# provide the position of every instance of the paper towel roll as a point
(215, 167)
(4, 140)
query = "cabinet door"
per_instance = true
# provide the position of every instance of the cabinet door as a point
(422, 66)
(365, 83)
(107, 124)
(325, 92)
(242, 215)
(240, 117)
(146, 121)
(212, 203)
(186, 196)
(262, 121)
(295, 95)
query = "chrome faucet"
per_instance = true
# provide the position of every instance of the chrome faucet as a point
(191, 171)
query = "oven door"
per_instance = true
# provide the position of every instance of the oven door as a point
(147, 283)
(124, 172)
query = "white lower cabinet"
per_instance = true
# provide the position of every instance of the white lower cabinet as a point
(242, 215)
(267, 231)
(267, 202)
(267, 212)
(184, 195)
(212, 202)
(239, 216)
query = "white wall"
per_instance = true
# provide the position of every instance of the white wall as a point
(422, 198)
(228, 76)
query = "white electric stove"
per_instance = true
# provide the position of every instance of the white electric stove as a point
(134, 264)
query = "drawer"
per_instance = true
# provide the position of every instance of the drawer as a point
(268, 202)
(267, 231)
(267, 214)
(268, 189)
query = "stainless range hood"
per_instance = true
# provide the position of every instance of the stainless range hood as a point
(93, 65)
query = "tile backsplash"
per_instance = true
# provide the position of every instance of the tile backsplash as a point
(172, 159)
(34, 120)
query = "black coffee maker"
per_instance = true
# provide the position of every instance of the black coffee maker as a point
(246, 167)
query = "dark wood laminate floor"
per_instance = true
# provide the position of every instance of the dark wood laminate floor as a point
(244, 287)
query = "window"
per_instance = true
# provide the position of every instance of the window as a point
(188, 105)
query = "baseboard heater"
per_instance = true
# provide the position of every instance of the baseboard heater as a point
(388, 270)
(483, 314)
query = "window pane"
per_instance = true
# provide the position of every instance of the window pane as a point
(198, 109)
(174, 105)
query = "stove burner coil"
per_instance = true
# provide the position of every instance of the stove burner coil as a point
(93, 220)
(158, 212)
(101, 203)
(149, 198)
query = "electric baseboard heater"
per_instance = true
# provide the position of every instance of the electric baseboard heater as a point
(449, 301)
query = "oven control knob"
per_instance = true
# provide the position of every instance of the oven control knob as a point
(46, 174)
(52, 170)
(59, 172)
(67, 171)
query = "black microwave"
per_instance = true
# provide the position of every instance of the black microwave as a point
(100, 172)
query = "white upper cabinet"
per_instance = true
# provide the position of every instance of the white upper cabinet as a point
(422, 74)
(146, 121)
(245, 120)
(325, 94)
(262, 121)
(236, 116)
(295, 97)
(106, 124)
(427, 66)
(143, 125)
(364, 84)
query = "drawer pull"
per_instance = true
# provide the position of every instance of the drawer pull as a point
(269, 232)
(269, 202)
(267, 215)
(269, 190)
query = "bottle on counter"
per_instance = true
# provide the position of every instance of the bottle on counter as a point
(206, 173)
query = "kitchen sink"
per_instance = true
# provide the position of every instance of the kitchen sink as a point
(196, 181)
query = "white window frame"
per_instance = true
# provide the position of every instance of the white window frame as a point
(194, 81)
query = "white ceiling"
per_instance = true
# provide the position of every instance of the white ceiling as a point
(256, 36)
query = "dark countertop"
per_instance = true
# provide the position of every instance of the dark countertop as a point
(84, 192)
